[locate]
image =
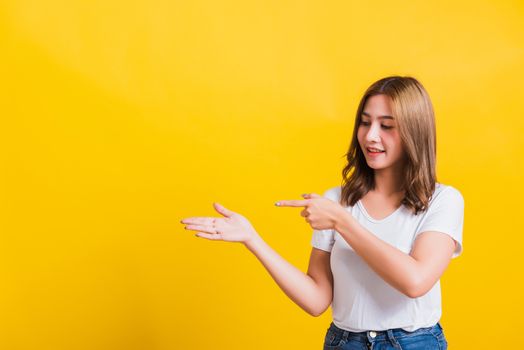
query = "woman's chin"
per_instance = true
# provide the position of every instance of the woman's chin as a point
(375, 166)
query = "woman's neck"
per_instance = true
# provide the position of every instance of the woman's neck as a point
(388, 182)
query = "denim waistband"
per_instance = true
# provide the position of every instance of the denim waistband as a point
(390, 334)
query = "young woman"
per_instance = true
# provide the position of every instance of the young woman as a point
(382, 240)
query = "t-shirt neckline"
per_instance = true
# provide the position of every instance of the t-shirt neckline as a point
(370, 218)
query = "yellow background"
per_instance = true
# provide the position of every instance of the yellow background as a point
(120, 118)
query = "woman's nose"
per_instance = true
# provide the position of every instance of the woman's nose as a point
(373, 133)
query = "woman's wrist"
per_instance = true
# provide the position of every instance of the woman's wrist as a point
(341, 220)
(253, 242)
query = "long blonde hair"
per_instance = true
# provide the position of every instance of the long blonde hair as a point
(413, 111)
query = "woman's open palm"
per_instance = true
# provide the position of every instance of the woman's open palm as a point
(233, 227)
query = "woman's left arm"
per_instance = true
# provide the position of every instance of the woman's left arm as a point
(412, 274)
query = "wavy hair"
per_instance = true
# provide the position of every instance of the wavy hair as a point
(413, 111)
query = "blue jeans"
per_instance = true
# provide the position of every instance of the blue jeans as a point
(430, 338)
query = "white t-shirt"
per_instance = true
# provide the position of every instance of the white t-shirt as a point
(362, 300)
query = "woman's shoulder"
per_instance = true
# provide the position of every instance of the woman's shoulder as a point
(446, 193)
(333, 193)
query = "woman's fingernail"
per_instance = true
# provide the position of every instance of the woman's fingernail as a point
(277, 203)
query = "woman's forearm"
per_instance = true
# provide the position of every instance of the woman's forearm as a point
(397, 268)
(297, 285)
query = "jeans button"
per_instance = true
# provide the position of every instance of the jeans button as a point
(372, 334)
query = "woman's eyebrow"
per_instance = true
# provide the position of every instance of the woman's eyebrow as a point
(380, 117)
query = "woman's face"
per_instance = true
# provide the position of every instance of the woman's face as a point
(379, 130)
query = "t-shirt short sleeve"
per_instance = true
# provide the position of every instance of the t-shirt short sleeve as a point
(325, 239)
(446, 214)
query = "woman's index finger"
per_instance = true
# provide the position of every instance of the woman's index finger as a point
(292, 203)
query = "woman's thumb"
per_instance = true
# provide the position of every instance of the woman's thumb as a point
(222, 210)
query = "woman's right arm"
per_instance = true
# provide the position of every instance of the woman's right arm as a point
(313, 291)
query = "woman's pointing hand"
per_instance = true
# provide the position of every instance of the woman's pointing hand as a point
(320, 212)
(232, 227)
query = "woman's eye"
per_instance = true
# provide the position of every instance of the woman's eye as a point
(383, 126)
